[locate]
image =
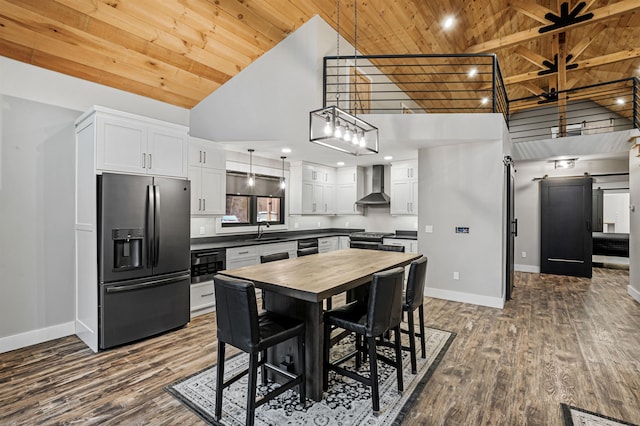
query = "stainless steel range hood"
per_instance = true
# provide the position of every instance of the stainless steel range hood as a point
(377, 196)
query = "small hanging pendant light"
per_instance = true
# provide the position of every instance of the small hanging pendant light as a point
(251, 181)
(282, 182)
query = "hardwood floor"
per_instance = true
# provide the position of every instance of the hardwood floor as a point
(561, 339)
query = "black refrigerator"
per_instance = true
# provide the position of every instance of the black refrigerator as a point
(143, 256)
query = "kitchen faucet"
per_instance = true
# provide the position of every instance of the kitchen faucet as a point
(260, 233)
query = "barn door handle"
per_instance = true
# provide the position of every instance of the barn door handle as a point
(515, 230)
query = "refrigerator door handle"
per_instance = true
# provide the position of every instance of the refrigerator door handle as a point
(149, 236)
(131, 287)
(156, 226)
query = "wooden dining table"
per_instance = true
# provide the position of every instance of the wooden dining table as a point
(297, 287)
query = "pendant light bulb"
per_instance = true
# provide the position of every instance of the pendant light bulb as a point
(347, 134)
(328, 128)
(362, 140)
(338, 132)
(251, 181)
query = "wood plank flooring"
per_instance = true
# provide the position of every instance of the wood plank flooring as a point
(561, 339)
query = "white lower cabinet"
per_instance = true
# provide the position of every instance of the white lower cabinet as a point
(328, 244)
(344, 242)
(203, 299)
(410, 246)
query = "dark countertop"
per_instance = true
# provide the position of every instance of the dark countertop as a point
(241, 240)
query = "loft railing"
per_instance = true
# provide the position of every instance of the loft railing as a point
(388, 84)
(598, 108)
(466, 83)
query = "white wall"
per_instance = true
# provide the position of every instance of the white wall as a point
(462, 184)
(528, 200)
(634, 235)
(36, 216)
(616, 212)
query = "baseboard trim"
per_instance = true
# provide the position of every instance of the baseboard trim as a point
(34, 337)
(527, 268)
(633, 293)
(457, 296)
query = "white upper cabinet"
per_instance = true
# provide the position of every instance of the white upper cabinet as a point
(349, 189)
(404, 187)
(312, 189)
(207, 172)
(129, 143)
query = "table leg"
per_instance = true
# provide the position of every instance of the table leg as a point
(311, 313)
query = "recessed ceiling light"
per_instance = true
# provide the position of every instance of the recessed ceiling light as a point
(472, 72)
(388, 157)
(286, 150)
(340, 163)
(484, 100)
(620, 101)
(448, 22)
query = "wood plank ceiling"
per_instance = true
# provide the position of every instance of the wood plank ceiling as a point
(180, 51)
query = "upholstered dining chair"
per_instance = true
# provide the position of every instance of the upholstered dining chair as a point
(389, 247)
(412, 299)
(307, 252)
(239, 325)
(273, 257)
(368, 320)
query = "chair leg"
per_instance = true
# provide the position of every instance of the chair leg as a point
(412, 342)
(251, 391)
(422, 344)
(325, 357)
(399, 359)
(219, 380)
(302, 389)
(263, 369)
(373, 363)
(359, 349)
(329, 304)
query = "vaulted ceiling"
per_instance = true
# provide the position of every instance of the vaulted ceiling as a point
(180, 51)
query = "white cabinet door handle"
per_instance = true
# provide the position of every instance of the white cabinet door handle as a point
(205, 156)
(149, 161)
(144, 160)
(200, 161)
(204, 204)
(199, 204)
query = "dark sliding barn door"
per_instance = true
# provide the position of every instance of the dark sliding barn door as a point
(565, 225)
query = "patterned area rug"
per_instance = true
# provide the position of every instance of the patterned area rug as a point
(578, 417)
(346, 403)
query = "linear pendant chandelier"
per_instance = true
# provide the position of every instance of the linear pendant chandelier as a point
(336, 128)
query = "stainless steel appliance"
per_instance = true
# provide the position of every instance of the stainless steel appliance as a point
(367, 240)
(143, 256)
(206, 263)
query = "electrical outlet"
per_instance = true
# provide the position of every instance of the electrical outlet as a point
(319, 224)
(296, 225)
(428, 229)
(456, 275)
(524, 254)
(202, 230)
(346, 224)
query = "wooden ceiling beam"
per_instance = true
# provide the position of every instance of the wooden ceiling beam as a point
(587, 63)
(534, 89)
(600, 14)
(582, 45)
(530, 56)
(532, 10)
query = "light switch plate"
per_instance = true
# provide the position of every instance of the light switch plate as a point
(202, 230)
(456, 275)
(428, 229)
